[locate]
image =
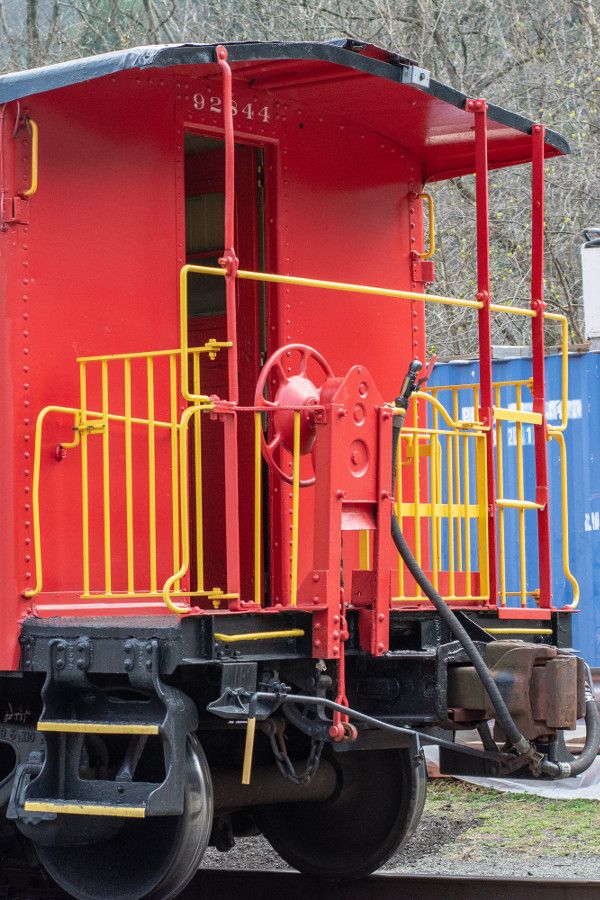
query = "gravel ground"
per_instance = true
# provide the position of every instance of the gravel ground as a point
(424, 855)
(448, 842)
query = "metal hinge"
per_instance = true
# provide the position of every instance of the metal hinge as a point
(15, 211)
(415, 75)
(423, 270)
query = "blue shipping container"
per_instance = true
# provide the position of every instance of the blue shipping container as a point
(583, 458)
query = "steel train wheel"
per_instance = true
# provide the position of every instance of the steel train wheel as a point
(375, 810)
(153, 858)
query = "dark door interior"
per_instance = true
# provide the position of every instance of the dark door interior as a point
(204, 198)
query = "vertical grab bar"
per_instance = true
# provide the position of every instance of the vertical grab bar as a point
(33, 183)
(427, 254)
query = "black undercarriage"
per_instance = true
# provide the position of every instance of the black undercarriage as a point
(115, 733)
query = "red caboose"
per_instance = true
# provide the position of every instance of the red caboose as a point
(229, 532)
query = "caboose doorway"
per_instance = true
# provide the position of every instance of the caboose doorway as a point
(204, 214)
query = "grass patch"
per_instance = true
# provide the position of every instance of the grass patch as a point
(514, 823)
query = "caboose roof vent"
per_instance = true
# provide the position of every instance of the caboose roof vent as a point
(590, 270)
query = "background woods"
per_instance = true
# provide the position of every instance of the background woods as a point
(540, 58)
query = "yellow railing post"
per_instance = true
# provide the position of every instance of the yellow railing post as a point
(451, 517)
(182, 562)
(295, 509)
(106, 480)
(128, 475)
(500, 489)
(456, 454)
(257, 508)
(564, 353)
(176, 475)
(521, 497)
(198, 486)
(467, 514)
(416, 495)
(557, 434)
(85, 516)
(151, 474)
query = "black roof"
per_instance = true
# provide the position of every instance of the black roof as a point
(349, 53)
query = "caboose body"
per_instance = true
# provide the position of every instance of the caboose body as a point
(215, 264)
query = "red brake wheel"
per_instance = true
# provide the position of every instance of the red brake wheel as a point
(284, 376)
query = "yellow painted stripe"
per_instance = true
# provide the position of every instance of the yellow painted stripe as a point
(518, 630)
(260, 635)
(85, 809)
(97, 728)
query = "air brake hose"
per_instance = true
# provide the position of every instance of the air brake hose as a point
(592, 738)
(518, 741)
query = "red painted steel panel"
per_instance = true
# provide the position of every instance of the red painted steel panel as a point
(95, 271)
(326, 176)
(101, 256)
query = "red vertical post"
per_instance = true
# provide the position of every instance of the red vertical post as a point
(538, 352)
(229, 260)
(486, 401)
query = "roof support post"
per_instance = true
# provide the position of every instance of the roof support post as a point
(486, 408)
(229, 260)
(540, 431)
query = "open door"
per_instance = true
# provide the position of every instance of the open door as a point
(204, 202)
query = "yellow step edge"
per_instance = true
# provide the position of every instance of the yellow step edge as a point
(85, 809)
(96, 728)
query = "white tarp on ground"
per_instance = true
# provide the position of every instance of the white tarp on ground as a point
(583, 787)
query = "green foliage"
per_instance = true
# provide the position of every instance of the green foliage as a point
(538, 58)
(519, 823)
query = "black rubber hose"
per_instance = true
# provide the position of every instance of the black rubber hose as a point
(520, 743)
(592, 739)
(517, 740)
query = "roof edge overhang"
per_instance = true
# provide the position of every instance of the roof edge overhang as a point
(352, 54)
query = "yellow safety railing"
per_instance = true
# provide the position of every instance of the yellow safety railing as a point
(516, 414)
(444, 464)
(442, 499)
(104, 425)
(557, 435)
(518, 417)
